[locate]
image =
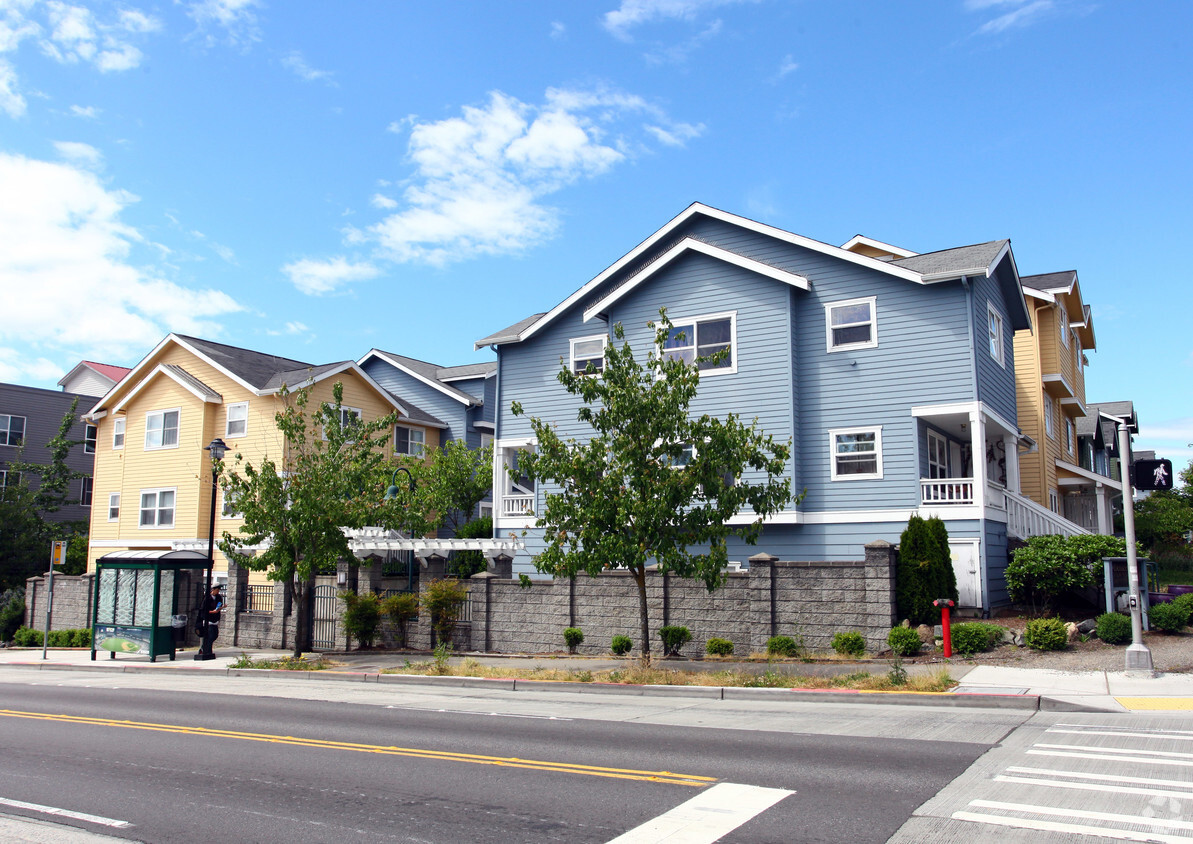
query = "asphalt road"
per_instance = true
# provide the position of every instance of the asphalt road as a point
(184, 766)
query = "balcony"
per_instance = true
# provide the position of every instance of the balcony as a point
(517, 505)
(935, 491)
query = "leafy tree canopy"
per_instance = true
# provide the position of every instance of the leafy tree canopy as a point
(448, 484)
(654, 484)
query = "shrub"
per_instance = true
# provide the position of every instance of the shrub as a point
(674, 637)
(719, 647)
(1049, 566)
(974, 637)
(82, 638)
(1046, 634)
(849, 644)
(1185, 602)
(924, 571)
(904, 641)
(1169, 618)
(362, 617)
(12, 613)
(468, 563)
(1114, 628)
(621, 645)
(442, 600)
(26, 637)
(783, 646)
(401, 609)
(572, 637)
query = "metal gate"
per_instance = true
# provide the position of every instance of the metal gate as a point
(323, 618)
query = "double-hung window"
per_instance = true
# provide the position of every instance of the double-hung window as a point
(12, 429)
(113, 507)
(161, 429)
(90, 433)
(237, 424)
(87, 488)
(229, 510)
(157, 508)
(852, 324)
(118, 432)
(1064, 327)
(589, 351)
(938, 456)
(698, 339)
(1049, 416)
(856, 453)
(411, 441)
(994, 327)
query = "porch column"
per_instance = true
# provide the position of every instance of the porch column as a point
(1102, 503)
(977, 427)
(1010, 444)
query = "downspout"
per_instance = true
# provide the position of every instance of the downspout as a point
(980, 454)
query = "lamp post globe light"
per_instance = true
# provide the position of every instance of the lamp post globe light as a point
(218, 449)
(392, 493)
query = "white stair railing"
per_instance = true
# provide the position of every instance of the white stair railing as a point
(1026, 518)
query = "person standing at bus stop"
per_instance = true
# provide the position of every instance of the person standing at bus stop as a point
(212, 605)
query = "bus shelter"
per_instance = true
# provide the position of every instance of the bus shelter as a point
(136, 602)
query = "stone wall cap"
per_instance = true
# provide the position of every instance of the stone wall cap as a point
(763, 557)
(879, 543)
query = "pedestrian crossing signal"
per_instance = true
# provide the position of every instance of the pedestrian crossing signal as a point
(1153, 474)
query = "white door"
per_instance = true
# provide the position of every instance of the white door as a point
(967, 566)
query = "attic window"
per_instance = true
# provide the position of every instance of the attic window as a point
(851, 324)
(588, 351)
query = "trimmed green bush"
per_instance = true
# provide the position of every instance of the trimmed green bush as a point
(782, 646)
(1113, 628)
(904, 641)
(718, 647)
(1185, 602)
(362, 617)
(25, 637)
(1169, 618)
(851, 643)
(973, 637)
(401, 609)
(621, 645)
(442, 599)
(1046, 634)
(924, 571)
(674, 637)
(1049, 566)
(572, 637)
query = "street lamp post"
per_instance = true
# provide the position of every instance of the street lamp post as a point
(391, 493)
(218, 449)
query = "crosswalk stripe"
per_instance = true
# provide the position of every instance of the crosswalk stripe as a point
(1077, 829)
(1111, 758)
(1084, 814)
(707, 817)
(64, 813)
(1116, 778)
(1132, 750)
(1089, 786)
(1173, 736)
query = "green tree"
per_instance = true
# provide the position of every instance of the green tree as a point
(24, 537)
(300, 502)
(448, 485)
(1048, 566)
(653, 484)
(1163, 518)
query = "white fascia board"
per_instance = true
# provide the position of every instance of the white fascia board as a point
(213, 364)
(161, 369)
(1042, 295)
(132, 375)
(489, 426)
(1073, 401)
(930, 410)
(1059, 378)
(94, 417)
(1086, 473)
(80, 365)
(451, 392)
(751, 225)
(878, 244)
(690, 244)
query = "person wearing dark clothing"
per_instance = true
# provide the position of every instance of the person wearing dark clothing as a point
(210, 616)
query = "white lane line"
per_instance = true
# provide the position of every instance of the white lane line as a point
(1076, 829)
(707, 817)
(1089, 786)
(1015, 769)
(1110, 758)
(64, 813)
(1169, 754)
(1174, 736)
(1083, 814)
(1087, 728)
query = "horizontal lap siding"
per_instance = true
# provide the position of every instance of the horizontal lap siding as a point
(996, 384)
(405, 387)
(996, 564)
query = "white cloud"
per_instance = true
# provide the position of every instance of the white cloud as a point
(316, 277)
(64, 246)
(677, 54)
(76, 35)
(88, 113)
(559, 30)
(224, 252)
(11, 101)
(480, 179)
(384, 202)
(1022, 13)
(79, 153)
(634, 13)
(786, 67)
(236, 18)
(296, 328)
(295, 63)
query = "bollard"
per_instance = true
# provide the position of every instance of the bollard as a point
(944, 604)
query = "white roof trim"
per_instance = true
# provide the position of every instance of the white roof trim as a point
(163, 369)
(484, 424)
(878, 244)
(1086, 473)
(690, 244)
(689, 212)
(452, 392)
(1039, 294)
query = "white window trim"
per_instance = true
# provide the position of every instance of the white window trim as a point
(163, 413)
(224, 514)
(604, 338)
(872, 343)
(423, 450)
(157, 509)
(228, 419)
(83, 491)
(90, 442)
(944, 441)
(8, 430)
(1049, 416)
(1064, 326)
(1001, 357)
(119, 426)
(114, 504)
(733, 349)
(833, 433)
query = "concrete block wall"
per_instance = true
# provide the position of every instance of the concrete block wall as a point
(71, 607)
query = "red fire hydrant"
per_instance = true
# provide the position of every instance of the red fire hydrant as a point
(944, 604)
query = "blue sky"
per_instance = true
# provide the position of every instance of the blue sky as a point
(315, 179)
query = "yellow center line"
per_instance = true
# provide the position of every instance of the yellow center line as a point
(667, 777)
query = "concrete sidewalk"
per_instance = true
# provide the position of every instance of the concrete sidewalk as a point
(1100, 691)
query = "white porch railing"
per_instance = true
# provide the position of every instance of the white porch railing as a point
(517, 505)
(946, 490)
(1026, 518)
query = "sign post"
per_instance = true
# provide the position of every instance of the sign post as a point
(1139, 658)
(57, 558)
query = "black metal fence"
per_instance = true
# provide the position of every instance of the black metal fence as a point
(257, 599)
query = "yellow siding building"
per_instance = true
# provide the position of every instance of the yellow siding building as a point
(152, 481)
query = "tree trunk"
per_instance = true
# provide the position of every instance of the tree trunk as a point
(300, 594)
(640, 579)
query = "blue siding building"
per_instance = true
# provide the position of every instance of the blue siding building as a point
(892, 374)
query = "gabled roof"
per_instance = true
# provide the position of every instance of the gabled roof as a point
(177, 374)
(106, 371)
(1061, 282)
(432, 374)
(863, 245)
(468, 371)
(252, 369)
(938, 266)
